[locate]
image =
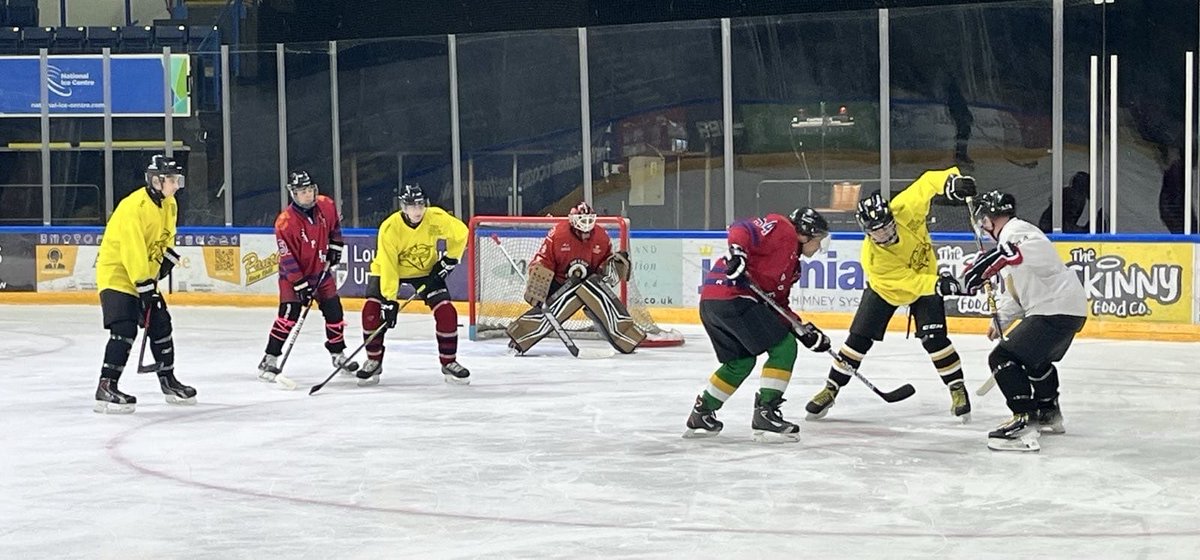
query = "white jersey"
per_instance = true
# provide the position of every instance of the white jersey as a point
(1041, 284)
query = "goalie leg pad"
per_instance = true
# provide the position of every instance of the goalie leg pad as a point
(532, 326)
(610, 315)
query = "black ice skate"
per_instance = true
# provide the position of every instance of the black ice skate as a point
(1050, 419)
(174, 391)
(960, 404)
(1018, 434)
(110, 400)
(456, 374)
(369, 373)
(819, 406)
(702, 423)
(769, 425)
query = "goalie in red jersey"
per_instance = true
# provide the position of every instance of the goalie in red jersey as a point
(567, 274)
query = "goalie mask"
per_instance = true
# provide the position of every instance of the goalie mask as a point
(582, 218)
(303, 189)
(163, 172)
(876, 220)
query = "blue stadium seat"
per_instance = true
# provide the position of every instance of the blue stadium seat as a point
(10, 40)
(37, 37)
(136, 38)
(100, 37)
(170, 33)
(69, 39)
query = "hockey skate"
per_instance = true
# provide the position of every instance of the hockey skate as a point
(339, 361)
(960, 404)
(110, 400)
(268, 372)
(819, 406)
(702, 423)
(456, 374)
(369, 373)
(174, 391)
(769, 425)
(1019, 433)
(1050, 420)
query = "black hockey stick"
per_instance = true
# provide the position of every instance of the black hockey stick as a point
(368, 340)
(547, 314)
(993, 309)
(896, 395)
(295, 334)
(151, 367)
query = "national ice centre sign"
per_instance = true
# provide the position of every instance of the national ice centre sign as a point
(76, 86)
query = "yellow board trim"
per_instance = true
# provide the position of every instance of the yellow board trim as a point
(1167, 332)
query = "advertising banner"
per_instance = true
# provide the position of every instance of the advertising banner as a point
(66, 260)
(76, 85)
(1145, 282)
(208, 264)
(259, 264)
(17, 262)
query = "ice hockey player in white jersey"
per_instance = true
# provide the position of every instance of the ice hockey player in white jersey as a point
(1048, 297)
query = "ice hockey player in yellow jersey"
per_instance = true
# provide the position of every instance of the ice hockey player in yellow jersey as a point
(901, 269)
(407, 253)
(135, 253)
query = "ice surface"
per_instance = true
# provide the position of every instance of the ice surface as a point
(554, 457)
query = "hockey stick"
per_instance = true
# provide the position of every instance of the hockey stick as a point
(368, 340)
(993, 310)
(548, 315)
(287, 382)
(154, 366)
(896, 395)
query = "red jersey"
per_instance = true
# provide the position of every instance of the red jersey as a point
(772, 260)
(303, 238)
(563, 246)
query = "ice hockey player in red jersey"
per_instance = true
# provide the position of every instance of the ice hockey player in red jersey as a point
(309, 235)
(567, 274)
(765, 251)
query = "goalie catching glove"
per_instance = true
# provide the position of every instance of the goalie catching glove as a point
(619, 268)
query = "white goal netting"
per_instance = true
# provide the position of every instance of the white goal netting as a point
(497, 289)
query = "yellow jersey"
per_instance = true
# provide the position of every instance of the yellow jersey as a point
(907, 270)
(134, 240)
(403, 252)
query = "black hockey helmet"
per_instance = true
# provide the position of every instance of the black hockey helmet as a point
(995, 203)
(809, 222)
(298, 180)
(412, 195)
(161, 166)
(874, 213)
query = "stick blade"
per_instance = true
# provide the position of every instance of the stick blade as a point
(899, 394)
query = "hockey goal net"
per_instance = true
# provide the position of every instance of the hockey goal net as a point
(496, 289)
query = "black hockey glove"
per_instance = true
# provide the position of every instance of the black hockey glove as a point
(170, 259)
(988, 264)
(814, 339)
(389, 311)
(959, 187)
(735, 262)
(947, 285)
(444, 267)
(148, 297)
(333, 255)
(303, 291)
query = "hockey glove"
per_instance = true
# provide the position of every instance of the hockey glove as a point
(389, 312)
(814, 339)
(989, 263)
(303, 291)
(947, 285)
(735, 262)
(148, 297)
(442, 268)
(959, 187)
(333, 255)
(170, 259)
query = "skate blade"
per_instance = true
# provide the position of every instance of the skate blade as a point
(1023, 441)
(172, 399)
(452, 380)
(1052, 429)
(373, 380)
(700, 433)
(266, 376)
(965, 417)
(818, 415)
(763, 436)
(105, 407)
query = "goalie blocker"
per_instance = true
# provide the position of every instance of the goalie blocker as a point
(610, 317)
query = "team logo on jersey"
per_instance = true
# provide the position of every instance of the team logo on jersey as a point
(920, 256)
(565, 247)
(419, 257)
(764, 226)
